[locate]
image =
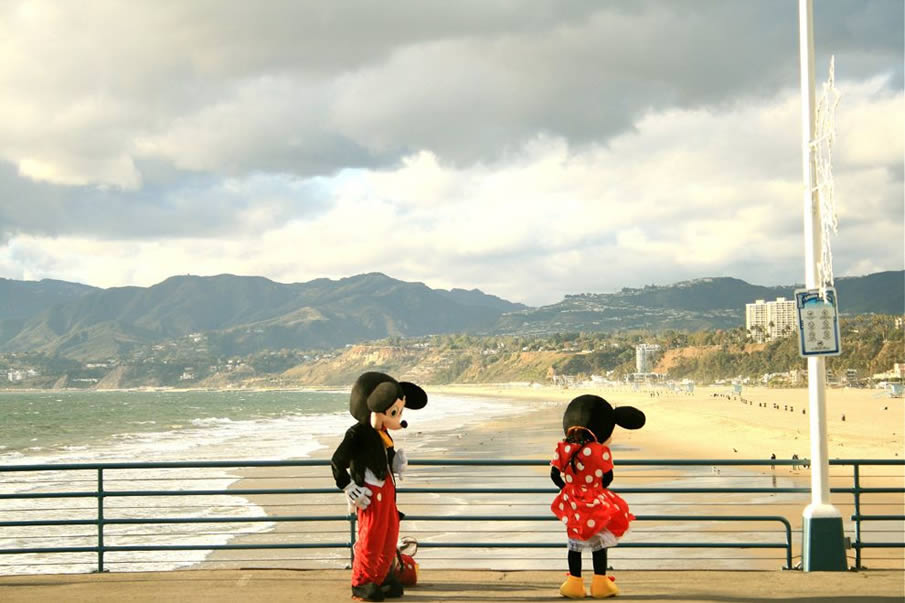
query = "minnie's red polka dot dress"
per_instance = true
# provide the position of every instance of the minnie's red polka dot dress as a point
(584, 505)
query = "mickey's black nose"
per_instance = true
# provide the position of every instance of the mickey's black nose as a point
(403, 424)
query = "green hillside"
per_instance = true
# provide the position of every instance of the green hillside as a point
(239, 315)
(244, 315)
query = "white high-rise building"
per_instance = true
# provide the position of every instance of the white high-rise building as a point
(756, 320)
(644, 357)
(768, 320)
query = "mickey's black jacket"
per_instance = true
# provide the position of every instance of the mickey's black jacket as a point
(362, 448)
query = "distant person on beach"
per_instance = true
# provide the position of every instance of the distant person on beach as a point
(582, 467)
(367, 450)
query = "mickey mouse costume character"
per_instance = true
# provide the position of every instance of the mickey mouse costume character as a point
(367, 450)
(595, 518)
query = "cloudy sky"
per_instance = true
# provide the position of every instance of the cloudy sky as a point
(527, 148)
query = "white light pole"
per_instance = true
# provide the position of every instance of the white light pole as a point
(823, 543)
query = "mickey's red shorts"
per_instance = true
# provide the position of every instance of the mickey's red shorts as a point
(378, 531)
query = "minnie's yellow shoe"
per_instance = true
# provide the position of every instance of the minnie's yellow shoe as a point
(603, 587)
(573, 588)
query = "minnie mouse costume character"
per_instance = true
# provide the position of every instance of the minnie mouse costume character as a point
(595, 518)
(367, 451)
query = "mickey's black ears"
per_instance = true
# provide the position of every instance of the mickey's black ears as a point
(415, 397)
(383, 396)
(629, 417)
(376, 392)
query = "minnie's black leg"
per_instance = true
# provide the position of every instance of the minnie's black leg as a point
(573, 587)
(575, 563)
(600, 562)
(602, 585)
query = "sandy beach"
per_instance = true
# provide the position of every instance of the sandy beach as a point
(710, 424)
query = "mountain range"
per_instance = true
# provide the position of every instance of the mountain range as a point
(704, 303)
(243, 315)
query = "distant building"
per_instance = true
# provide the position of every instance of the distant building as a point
(756, 320)
(15, 375)
(644, 357)
(897, 372)
(768, 320)
(649, 378)
(565, 380)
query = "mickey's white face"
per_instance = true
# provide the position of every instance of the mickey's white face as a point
(392, 417)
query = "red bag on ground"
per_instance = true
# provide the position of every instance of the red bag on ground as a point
(406, 569)
(404, 566)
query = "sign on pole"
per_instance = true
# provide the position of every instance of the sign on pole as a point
(818, 322)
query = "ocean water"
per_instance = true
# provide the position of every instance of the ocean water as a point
(81, 427)
(111, 426)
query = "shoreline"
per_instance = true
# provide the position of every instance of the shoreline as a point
(519, 389)
(860, 423)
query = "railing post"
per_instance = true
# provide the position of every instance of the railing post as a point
(788, 545)
(100, 520)
(857, 474)
(353, 517)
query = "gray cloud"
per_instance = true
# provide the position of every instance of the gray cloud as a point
(171, 204)
(220, 120)
(311, 88)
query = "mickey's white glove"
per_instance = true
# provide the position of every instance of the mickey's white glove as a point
(358, 496)
(400, 463)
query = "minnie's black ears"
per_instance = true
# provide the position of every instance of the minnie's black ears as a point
(629, 417)
(415, 397)
(597, 415)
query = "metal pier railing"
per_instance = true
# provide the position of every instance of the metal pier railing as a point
(450, 500)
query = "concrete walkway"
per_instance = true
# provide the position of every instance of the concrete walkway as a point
(317, 586)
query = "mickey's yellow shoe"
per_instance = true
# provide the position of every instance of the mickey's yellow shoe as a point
(573, 588)
(602, 587)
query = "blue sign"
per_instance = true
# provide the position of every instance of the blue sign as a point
(818, 322)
